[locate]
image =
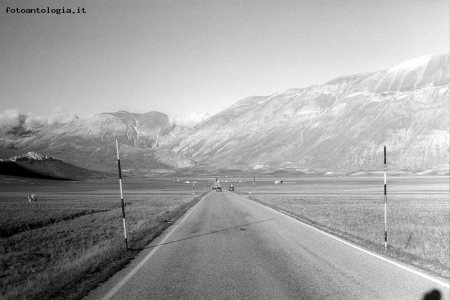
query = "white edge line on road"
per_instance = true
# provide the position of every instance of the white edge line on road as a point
(361, 249)
(124, 280)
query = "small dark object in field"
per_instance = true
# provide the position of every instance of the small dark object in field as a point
(32, 197)
(409, 240)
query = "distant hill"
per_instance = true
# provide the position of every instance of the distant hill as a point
(35, 165)
(90, 143)
(339, 126)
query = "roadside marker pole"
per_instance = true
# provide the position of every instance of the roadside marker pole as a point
(121, 196)
(193, 187)
(254, 179)
(385, 202)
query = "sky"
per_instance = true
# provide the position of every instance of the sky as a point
(195, 57)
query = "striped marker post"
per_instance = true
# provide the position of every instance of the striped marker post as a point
(254, 179)
(121, 196)
(385, 203)
(193, 187)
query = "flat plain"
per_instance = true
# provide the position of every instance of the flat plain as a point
(418, 213)
(71, 239)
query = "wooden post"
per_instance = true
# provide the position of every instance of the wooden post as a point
(121, 196)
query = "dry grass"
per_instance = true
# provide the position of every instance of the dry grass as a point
(71, 239)
(62, 241)
(353, 208)
(418, 225)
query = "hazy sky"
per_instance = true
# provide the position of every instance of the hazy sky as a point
(180, 57)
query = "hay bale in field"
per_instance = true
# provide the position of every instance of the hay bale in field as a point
(32, 197)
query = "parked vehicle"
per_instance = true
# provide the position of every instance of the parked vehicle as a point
(216, 185)
(218, 189)
(231, 188)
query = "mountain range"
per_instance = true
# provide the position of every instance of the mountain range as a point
(340, 126)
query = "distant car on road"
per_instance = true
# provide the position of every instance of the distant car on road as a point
(218, 189)
(231, 188)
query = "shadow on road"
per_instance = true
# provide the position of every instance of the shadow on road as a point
(212, 232)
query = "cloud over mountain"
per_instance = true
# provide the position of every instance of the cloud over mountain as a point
(189, 120)
(10, 120)
(13, 122)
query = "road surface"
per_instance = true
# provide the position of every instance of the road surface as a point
(228, 247)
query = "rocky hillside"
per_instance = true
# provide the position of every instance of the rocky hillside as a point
(340, 125)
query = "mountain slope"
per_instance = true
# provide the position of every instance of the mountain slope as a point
(340, 125)
(90, 143)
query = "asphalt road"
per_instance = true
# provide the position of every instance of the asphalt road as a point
(228, 247)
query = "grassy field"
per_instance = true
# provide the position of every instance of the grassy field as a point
(418, 213)
(71, 239)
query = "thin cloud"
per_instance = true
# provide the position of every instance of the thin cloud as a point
(61, 116)
(10, 120)
(13, 122)
(189, 120)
